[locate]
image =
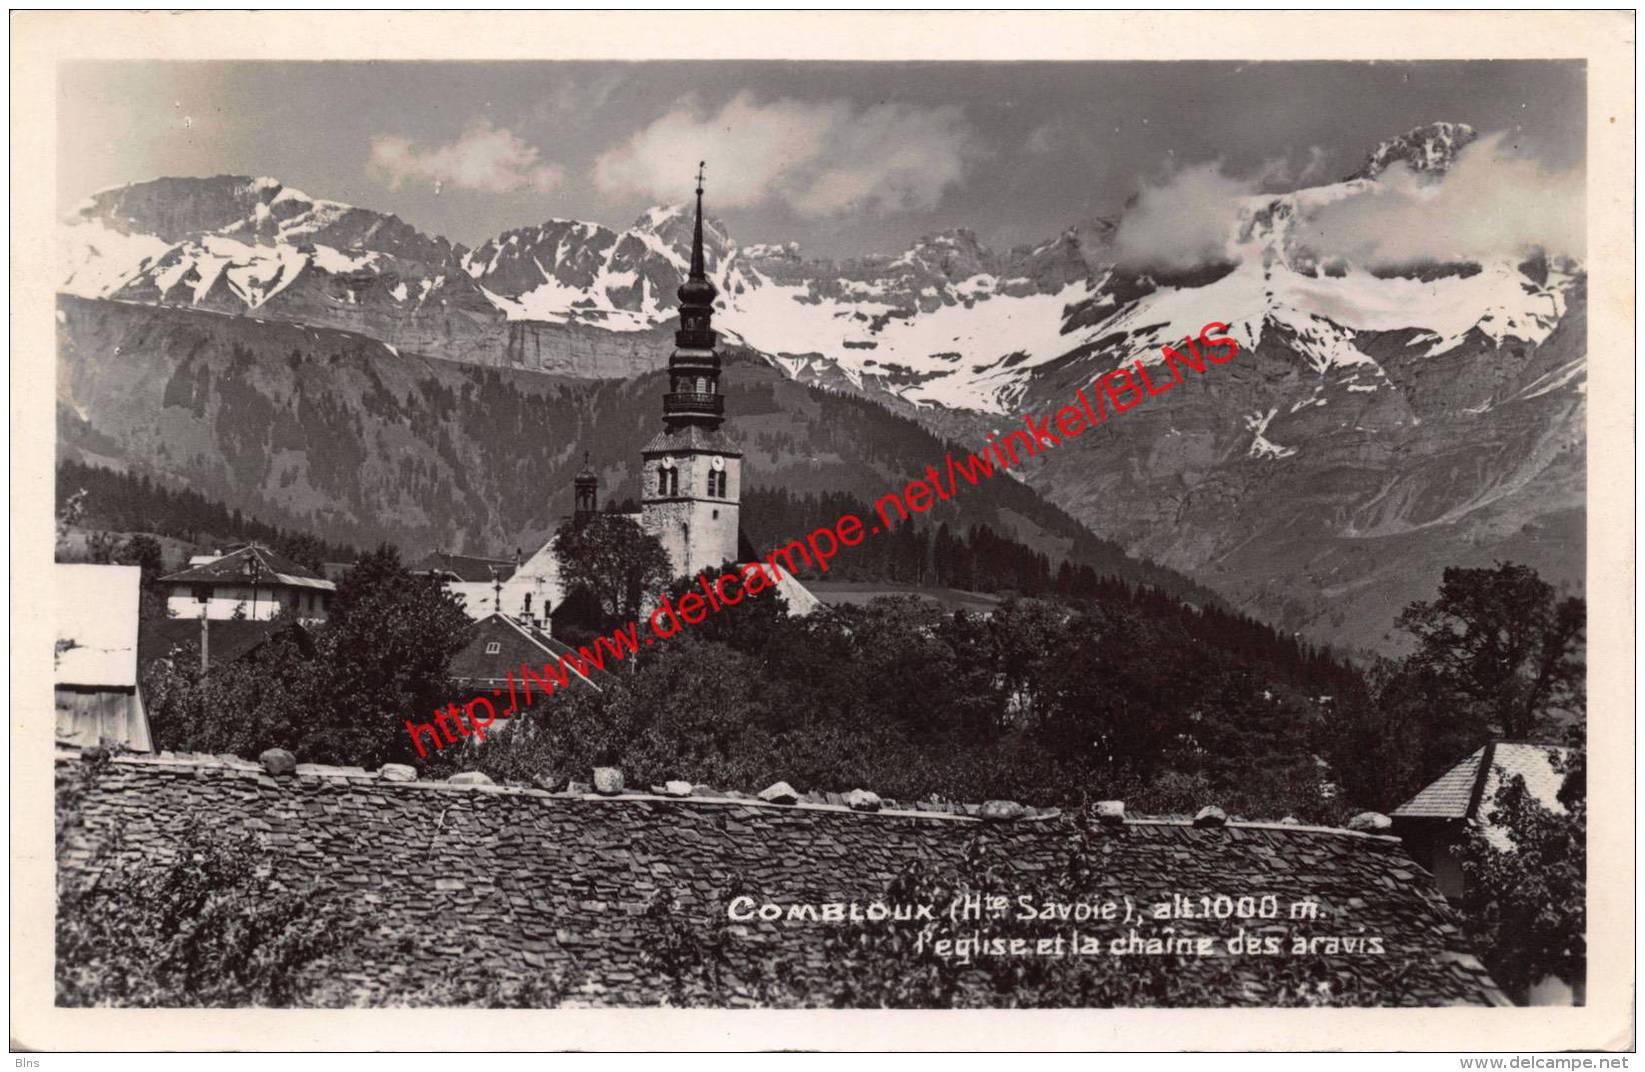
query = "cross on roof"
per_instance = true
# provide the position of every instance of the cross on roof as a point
(700, 165)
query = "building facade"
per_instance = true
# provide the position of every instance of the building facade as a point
(252, 583)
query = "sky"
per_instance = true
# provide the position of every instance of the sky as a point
(847, 159)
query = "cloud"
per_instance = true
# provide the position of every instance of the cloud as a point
(1492, 203)
(821, 158)
(1183, 220)
(485, 158)
(1315, 166)
(572, 97)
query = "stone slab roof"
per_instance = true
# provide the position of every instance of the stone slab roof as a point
(529, 881)
(1460, 791)
(1450, 796)
(1467, 792)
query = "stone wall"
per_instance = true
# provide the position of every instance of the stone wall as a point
(523, 882)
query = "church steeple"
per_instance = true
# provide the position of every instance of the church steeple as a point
(694, 368)
(697, 234)
(697, 290)
(691, 485)
(586, 489)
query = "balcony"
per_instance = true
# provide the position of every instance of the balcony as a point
(694, 403)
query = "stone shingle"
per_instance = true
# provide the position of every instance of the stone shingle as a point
(1448, 796)
(537, 882)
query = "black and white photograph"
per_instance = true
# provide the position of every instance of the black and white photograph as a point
(760, 533)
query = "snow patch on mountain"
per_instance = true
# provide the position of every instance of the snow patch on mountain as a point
(95, 259)
(1261, 446)
(257, 278)
(338, 262)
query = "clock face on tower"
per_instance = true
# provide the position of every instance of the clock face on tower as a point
(717, 463)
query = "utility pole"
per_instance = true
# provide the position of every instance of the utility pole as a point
(255, 568)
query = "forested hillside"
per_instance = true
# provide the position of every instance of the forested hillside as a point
(343, 437)
(126, 502)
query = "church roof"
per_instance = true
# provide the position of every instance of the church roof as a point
(586, 476)
(692, 437)
(799, 598)
(469, 568)
(697, 290)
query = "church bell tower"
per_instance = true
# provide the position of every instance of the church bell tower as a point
(585, 491)
(691, 481)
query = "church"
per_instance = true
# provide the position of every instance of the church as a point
(690, 480)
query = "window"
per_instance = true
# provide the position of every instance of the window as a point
(717, 483)
(494, 647)
(668, 480)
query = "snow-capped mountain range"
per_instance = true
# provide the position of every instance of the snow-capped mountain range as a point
(1390, 365)
(947, 322)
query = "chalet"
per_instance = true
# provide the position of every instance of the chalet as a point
(250, 583)
(95, 664)
(1437, 822)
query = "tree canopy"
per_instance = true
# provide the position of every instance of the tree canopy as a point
(1526, 902)
(379, 659)
(615, 559)
(1500, 645)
